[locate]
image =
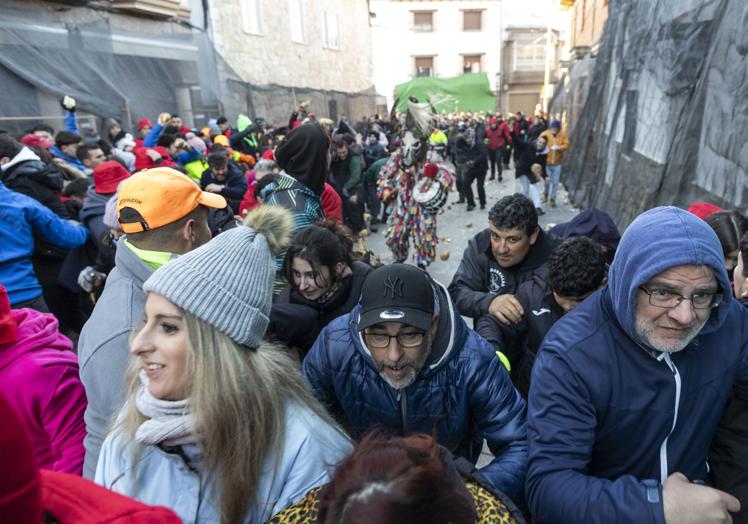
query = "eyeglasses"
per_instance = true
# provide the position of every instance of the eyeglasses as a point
(668, 299)
(406, 340)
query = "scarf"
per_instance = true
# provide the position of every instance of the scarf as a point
(169, 421)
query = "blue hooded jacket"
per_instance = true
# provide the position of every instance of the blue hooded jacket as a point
(609, 418)
(461, 395)
(20, 217)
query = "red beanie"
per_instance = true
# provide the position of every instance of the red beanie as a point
(107, 177)
(36, 141)
(20, 487)
(268, 154)
(7, 320)
(143, 122)
(703, 209)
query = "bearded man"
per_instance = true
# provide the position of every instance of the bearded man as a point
(405, 362)
(627, 388)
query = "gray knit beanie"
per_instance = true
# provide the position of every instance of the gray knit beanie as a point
(228, 282)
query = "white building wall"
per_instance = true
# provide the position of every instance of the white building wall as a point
(396, 44)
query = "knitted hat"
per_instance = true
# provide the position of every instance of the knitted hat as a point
(36, 141)
(144, 122)
(703, 209)
(228, 282)
(196, 142)
(7, 320)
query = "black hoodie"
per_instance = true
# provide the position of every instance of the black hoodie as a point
(479, 279)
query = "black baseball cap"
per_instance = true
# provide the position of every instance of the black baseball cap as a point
(397, 293)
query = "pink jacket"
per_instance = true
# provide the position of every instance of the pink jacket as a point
(39, 377)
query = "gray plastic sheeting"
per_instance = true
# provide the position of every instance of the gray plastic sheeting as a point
(105, 72)
(665, 118)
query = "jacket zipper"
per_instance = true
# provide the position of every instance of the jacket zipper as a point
(663, 447)
(403, 410)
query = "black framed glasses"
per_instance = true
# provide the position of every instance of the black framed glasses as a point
(668, 299)
(406, 340)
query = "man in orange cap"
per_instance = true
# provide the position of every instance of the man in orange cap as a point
(163, 215)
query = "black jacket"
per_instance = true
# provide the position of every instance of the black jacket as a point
(728, 454)
(297, 321)
(41, 182)
(480, 278)
(520, 342)
(526, 154)
(234, 188)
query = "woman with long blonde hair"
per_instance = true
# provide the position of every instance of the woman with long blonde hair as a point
(218, 425)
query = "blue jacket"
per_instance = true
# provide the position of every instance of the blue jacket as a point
(310, 450)
(72, 160)
(20, 217)
(462, 395)
(610, 418)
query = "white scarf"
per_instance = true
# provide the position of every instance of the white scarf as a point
(169, 421)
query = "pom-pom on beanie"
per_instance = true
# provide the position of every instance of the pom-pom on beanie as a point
(228, 282)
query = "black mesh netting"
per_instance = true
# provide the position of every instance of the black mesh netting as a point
(659, 117)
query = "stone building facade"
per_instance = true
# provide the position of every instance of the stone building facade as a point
(274, 54)
(587, 24)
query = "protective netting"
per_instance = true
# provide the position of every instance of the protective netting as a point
(108, 73)
(667, 105)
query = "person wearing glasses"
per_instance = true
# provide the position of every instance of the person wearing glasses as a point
(627, 388)
(404, 361)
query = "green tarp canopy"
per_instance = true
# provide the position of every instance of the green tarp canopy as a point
(468, 92)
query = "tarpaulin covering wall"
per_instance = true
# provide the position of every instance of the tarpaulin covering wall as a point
(468, 92)
(109, 73)
(665, 117)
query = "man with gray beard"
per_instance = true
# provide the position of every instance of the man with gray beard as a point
(405, 362)
(627, 389)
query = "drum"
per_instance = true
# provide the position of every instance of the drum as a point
(430, 195)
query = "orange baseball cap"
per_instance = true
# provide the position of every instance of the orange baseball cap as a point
(156, 197)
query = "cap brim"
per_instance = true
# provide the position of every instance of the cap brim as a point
(404, 315)
(212, 200)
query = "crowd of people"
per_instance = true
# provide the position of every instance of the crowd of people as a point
(192, 330)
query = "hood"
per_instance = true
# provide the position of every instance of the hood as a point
(94, 205)
(24, 155)
(591, 223)
(450, 333)
(657, 240)
(303, 156)
(35, 331)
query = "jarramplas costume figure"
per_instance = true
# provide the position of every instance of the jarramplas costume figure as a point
(415, 188)
(627, 388)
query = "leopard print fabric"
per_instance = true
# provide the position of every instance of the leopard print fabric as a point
(489, 508)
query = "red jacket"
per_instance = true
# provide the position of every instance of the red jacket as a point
(143, 161)
(499, 137)
(73, 500)
(249, 202)
(332, 204)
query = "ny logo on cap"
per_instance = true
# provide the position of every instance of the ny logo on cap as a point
(393, 287)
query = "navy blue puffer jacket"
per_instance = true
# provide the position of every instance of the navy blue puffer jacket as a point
(462, 395)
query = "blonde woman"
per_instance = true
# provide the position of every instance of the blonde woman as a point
(218, 425)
